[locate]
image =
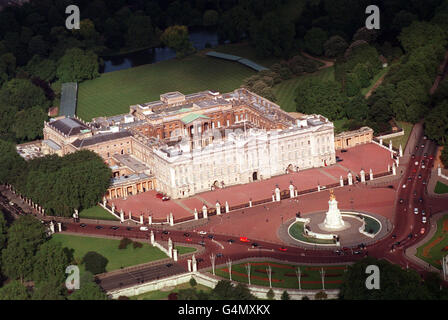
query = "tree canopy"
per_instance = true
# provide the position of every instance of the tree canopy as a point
(77, 65)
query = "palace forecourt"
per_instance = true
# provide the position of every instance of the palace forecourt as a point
(211, 152)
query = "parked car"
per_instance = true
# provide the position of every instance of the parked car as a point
(424, 219)
(416, 210)
(143, 228)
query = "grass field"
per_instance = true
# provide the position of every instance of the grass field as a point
(112, 93)
(296, 231)
(286, 91)
(109, 249)
(441, 188)
(97, 213)
(436, 248)
(163, 295)
(403, 140)
(284, 275)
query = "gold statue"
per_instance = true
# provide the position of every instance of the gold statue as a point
(332, 196)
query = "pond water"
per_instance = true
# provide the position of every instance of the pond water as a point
(199, 39)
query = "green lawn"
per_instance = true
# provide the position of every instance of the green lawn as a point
(403, 140)
(286, 91)
(162, 295)
(109, 249)
(97, 213)
(112, 93)
(436, 248)
(441, 188)
(182, 250)
(296, 232)
(284, 275)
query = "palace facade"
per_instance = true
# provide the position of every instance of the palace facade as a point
(185, 144)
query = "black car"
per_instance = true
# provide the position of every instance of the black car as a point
(425, 154)
(343, 150)
(165, 232)
(169, 265)
(199, 260)
(186, 234)
(128, 228)
(82, 225)
(230, 241)
(99, 227)
(413, 156)
(254, 244)
(210, 236)
(401, 200)
(114, 227)
(420, 200)
(219, 255)
(419, 176)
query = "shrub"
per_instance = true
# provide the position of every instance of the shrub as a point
(270, 294)
(193, 282)
(94, 262)
(321, 295)
(305, 298)
(285, 295)
(137, 244)
(124, 243)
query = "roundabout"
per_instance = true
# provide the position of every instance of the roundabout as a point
(335, 228)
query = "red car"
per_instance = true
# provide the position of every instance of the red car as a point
(244, 239)
(282, 249)
(188, 239)
(159, 195)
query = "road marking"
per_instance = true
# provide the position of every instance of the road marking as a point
(218, 243)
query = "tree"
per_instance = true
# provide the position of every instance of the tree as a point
(321, 97)
(22, 94)
(14, 290)
(176, 37)
(50, 263)
(3, 231)
(422, 33)
(357, 108)
(210, 18)
(77, 65)
(335, 46)
(88, 290)
(10, 162)
(94, 262)
(45, 69)
(436, 123)
(29, 124)
(362, 73)
(352, 85)
(140, 32)
(270, 294)
(396, 283)
(25, 235)
(285, 296)
(38, 45)
(49, 289)
(225, 290)
(314, 41)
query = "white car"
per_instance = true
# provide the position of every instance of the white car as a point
(423, 166)
(143, 228)
(424, 219)
(423, 212)
(416, 210)
(202, 232)
(416, 163)
(404, 186)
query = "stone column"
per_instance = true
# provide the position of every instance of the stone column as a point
(195, 214)
(141, 219)
(218, 208)
(194, 263)
(227, 207)
(371, 174)
(291, 191)
(350, 178)
(51, 227)
(318, 188)
(60, 226)
(175, 254)
(439, 170)
(363, 176)
(170, 247)
(401, 151)
(113, 207)
(104, 201)
(394, 169)
(388, 168)
(277, 194)
(250, 203)
(150, 220)
(296, 192)
(121, 215)
(204, 211)
(381, 141)
(390, 145)
(341, 181)
(189, 265)
(171, 219)
(130, 215)
(273, 198)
